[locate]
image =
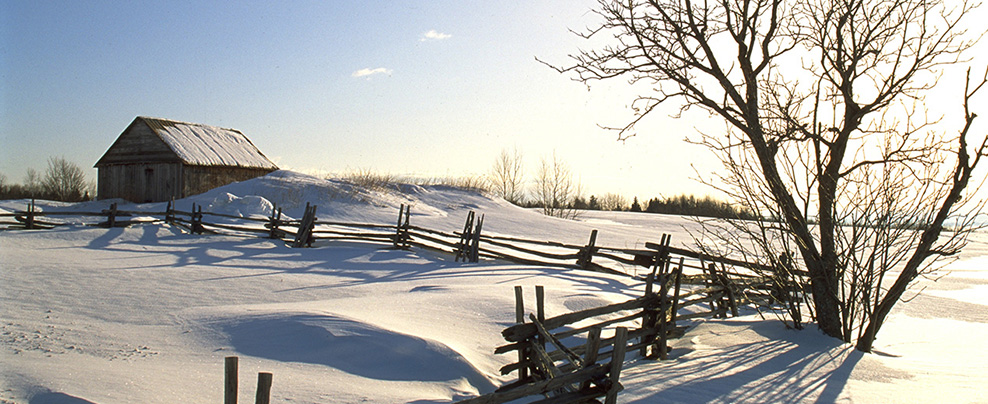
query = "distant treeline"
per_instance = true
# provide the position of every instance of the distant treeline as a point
(687, 205)
(693, 206)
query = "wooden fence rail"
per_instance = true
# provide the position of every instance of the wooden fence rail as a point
(552, 360)
(548, 361)
(756, 283)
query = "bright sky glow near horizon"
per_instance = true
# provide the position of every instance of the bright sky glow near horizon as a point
(422, 88)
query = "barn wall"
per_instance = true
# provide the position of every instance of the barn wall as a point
(199, 179)
(151, 182)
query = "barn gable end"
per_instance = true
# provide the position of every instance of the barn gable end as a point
(138, 144)
(157, 159)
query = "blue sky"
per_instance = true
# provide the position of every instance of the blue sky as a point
(452, 83)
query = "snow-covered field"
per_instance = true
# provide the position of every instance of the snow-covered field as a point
(146, 314)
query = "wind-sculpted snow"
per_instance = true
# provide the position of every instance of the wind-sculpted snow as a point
(147, 313)
(352, 346)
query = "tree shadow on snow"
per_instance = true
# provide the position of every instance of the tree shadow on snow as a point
(787, 366)
(349, 263)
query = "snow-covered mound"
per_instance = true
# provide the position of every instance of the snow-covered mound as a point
(147, 313)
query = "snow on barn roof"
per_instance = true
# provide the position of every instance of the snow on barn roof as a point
(197, 144)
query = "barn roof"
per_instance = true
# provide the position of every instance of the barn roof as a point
(204, 145)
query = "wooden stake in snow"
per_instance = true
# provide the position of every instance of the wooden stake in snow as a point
(303, 238)
(263, 388)
(401, 230)
(231, 384)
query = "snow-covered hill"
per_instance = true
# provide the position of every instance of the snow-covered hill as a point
(147, 313)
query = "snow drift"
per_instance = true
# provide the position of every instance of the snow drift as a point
(147, 313)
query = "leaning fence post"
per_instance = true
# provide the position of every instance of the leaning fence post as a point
(263, 388)
(275, 221)
(231, 383)
(401, 230)
(617, 360)
(590, 354)
(586, 256)
(465, 237)
(475, 242)
(732, 300)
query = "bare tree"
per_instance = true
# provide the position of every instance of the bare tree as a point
(555, 189)
(507, 177)
(611, 201)
(32, 183)
(64, 180)
(811, 92)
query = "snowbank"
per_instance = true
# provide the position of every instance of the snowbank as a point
(147, 313)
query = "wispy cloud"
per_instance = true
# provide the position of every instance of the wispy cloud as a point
(369, 72)
(434, 35)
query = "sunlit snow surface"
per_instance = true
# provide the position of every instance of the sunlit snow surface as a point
(146, 314)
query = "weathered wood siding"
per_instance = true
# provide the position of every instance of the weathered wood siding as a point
(138, 144)
(151, 182)
(199, 179)
(141, 166)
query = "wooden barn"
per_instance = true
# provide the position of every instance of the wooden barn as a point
(156, 159)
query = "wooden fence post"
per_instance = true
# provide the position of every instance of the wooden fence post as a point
(664, 303)
(650, 319)
(196, 219)
(590, 353)
(520, 318)
(675, 296)
(274, 222)
(475, 242)
(29, 220)
(586, 255)
(401, 230)
(263, 388)
(231, 384)
(617, 361)
(709, 281)
(732, 300)
(462, 248)
(111, 217)
(170, 212)
(304, 238)
(540, 308)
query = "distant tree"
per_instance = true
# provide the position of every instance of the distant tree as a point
(635, 206)
(555, 188)
(32, 183)
(64, 181)
(593, 204)
(610, 201)
(507, 177)
(580, 203)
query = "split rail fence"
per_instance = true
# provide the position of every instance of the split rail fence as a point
(756, 283)
(560, 357)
